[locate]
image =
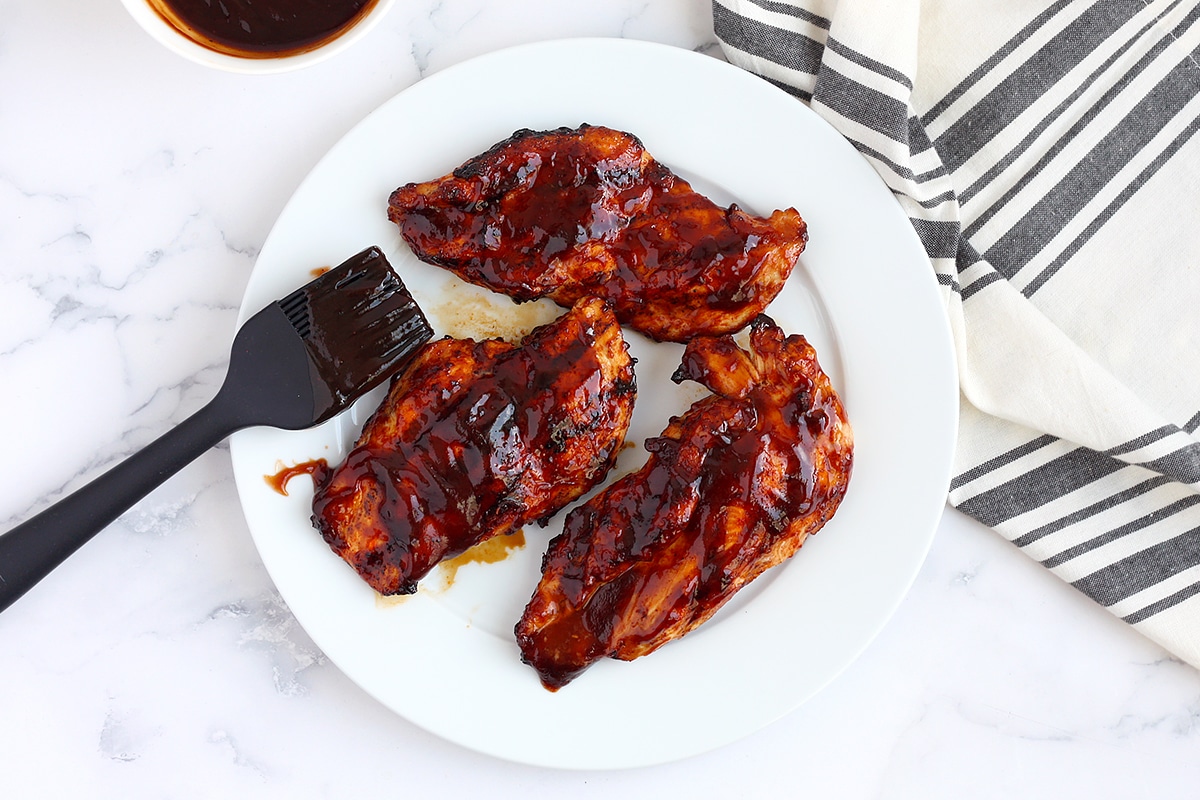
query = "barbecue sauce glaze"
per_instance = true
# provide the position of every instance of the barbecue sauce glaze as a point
(731, 488)
(586, 212)
(477, 439)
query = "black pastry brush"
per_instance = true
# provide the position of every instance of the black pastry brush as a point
(296, 363)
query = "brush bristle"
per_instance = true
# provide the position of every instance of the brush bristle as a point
(295, 306)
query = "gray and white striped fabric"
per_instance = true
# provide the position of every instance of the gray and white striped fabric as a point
(1045, 153)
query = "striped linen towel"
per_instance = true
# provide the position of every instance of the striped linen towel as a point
(1045, 154)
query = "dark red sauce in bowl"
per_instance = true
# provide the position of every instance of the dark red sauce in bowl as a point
(262, 28)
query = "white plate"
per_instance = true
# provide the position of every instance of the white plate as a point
(864, 294)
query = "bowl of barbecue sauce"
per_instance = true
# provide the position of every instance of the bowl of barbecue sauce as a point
(257, 35)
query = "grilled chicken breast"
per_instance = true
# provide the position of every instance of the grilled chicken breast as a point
(732, 487)
(571, 213)
(476, 439)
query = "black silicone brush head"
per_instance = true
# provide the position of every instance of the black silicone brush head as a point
(359, 324)
(305, 358)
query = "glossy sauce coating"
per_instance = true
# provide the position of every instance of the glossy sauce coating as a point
(582, 212)
(262, 28)
(731, 488)
(476, 439)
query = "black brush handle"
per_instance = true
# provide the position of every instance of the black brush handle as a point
(31, 550)
(286, 371)
(269, 383)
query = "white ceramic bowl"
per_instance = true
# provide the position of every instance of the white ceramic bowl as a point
(180, 43)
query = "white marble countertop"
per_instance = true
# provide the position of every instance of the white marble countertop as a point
(135, 191)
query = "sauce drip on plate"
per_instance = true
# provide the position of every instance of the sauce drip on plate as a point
(262, 28)
(318, 468)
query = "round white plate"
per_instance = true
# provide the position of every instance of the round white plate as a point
(445, 658)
